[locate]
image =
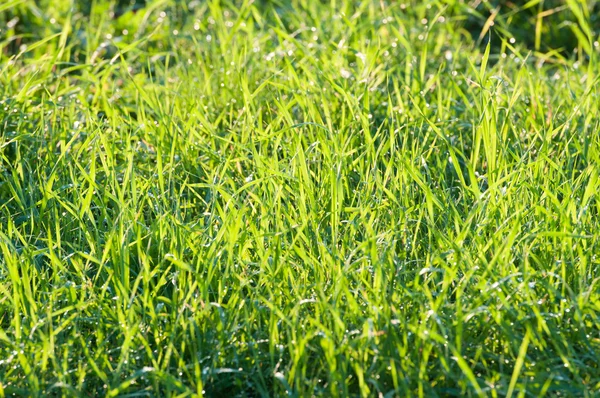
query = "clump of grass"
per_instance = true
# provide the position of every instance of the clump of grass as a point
(295, 198)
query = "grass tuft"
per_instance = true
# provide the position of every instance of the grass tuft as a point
(267, 198)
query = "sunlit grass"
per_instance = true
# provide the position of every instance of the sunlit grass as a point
(265, 199)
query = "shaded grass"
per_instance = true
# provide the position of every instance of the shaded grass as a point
(262, 199)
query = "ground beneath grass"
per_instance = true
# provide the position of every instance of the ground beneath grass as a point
(270, 198)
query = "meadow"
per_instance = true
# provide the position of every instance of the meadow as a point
(299, 198)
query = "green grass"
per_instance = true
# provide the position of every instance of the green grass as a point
(299, 198)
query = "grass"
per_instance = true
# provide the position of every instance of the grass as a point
(299, 198)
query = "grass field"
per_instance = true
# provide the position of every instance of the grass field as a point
(298, 198)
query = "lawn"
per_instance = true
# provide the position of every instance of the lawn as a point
(299, 198)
